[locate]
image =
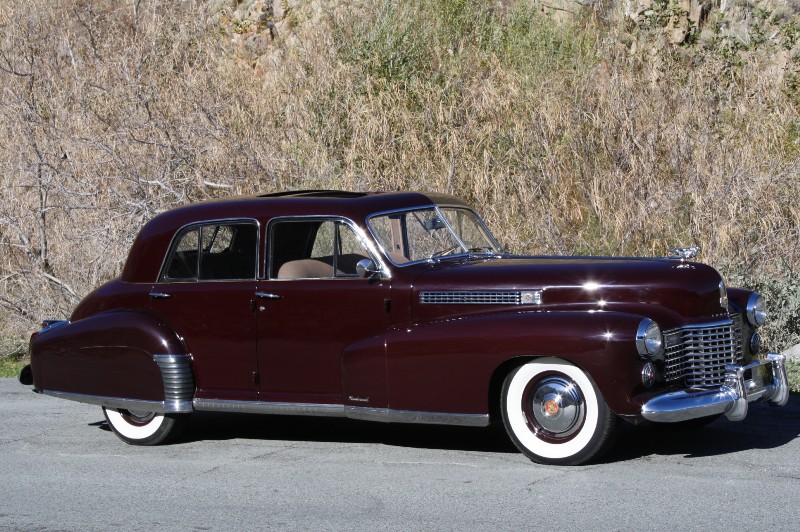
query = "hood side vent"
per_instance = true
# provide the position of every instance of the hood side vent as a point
(481, 298)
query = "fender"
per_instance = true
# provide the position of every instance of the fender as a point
(120, 359)
(448, 366)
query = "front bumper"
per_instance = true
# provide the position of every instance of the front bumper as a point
(730, 399)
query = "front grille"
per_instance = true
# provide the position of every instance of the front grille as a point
(471, 298)
(697, 355)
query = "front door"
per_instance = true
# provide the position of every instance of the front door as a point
(206, 294)
(313, 307)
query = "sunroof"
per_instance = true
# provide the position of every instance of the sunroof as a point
(315, 194)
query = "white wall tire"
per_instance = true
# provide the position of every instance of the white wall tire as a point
(554, 413)
(143, 428)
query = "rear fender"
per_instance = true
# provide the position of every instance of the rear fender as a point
(449, 366)
(121, 359)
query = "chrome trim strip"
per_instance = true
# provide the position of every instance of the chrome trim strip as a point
(386, 415)
(261, 407)
(111, 402)
(178, 379)
(731, 398)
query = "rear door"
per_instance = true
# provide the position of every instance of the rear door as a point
(206, 294)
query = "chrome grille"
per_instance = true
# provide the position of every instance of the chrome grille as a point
(697, 355)
(471, 298)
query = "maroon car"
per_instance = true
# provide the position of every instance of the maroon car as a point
(401, 307)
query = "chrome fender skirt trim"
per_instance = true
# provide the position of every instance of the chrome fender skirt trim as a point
(387, 415)
(384, 415)
(111, 402)
(259, 407)
(176, 373)
(730, 399)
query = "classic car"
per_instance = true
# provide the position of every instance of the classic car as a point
(401, 307)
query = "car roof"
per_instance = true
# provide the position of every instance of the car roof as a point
(147, 252)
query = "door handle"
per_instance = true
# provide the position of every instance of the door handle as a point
(266, 295)
(160, 295)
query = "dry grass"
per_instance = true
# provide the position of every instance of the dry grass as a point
(592, 137)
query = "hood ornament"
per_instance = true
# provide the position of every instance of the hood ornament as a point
(683, 253)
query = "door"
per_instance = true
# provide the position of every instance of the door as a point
(206, 293)
(312, 307)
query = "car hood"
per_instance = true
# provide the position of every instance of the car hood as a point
(674, 293)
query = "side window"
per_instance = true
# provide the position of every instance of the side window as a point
(214, 253)
(320, 249)
(182, 264)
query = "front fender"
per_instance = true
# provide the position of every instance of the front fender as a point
(127, 355)
(448, 366)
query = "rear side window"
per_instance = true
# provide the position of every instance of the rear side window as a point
(214, 252)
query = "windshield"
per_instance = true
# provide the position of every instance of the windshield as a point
(432, 232)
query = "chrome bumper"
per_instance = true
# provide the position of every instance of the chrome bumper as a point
(730, 399)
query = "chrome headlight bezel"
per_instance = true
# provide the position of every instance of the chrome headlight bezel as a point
(756, 310)
(649, 340)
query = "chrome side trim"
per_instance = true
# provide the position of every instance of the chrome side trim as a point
(110, 402)
(386, 415)
(731, 398)
(260, 407)
(178, 379)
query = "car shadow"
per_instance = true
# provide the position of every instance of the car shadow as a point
(224, 426)
(765, 427)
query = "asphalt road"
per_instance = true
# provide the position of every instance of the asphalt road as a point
(62, 469)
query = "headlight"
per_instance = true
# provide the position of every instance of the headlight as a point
(649, 341)
(756, 310)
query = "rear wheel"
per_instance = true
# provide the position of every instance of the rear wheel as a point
(144, 428)
(554, 413)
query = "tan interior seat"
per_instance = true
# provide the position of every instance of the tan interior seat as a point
(306, 269)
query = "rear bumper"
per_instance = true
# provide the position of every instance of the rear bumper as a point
(730, 399)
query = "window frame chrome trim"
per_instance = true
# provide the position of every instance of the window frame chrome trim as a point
(160, 279)
(370, 245)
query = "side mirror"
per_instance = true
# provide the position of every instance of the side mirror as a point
(366, 268)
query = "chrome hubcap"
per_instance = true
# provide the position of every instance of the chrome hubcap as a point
(137, 417)
(557, 406)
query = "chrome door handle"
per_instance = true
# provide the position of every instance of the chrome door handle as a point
(160, 295)
(265, 295)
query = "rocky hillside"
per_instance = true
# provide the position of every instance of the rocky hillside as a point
(596, 127)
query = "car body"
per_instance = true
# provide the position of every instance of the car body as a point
(401, 307)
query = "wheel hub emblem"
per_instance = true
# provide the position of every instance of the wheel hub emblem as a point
(551, 407)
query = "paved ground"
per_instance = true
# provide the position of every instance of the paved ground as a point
(62, 469)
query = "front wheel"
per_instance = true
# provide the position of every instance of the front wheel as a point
(554, 413)
(144, 428)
